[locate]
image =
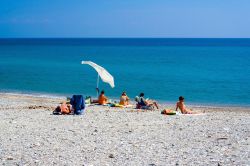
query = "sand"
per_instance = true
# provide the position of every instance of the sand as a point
(31, 135)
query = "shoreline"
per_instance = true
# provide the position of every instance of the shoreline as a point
(172, 104)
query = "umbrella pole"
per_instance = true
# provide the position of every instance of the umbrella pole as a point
(97, 86)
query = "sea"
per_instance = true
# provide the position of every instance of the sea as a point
(205, 71)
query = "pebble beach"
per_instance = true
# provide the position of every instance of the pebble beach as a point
(31, 135)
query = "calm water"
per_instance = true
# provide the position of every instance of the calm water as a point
(206, 71)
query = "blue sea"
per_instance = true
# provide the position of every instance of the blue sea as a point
(204, 71)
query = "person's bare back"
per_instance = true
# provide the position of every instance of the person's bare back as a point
(180, 105)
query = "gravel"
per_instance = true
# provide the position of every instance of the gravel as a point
(31, 135)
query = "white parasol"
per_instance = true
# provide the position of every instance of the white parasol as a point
(103, 73)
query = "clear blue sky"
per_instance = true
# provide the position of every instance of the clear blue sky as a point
(125, 18)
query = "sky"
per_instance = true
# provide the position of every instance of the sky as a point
(125, 18)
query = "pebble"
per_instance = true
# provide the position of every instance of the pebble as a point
(10, 158)
(111, 156)
(120, 137)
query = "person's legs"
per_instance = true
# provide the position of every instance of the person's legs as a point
(156, 105)
(147, 107)
(189, 111)
(152, 103)
(94, 101)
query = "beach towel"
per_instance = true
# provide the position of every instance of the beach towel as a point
(77, 103)
(88, 100)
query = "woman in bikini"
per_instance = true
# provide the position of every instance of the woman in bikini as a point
(124, 99)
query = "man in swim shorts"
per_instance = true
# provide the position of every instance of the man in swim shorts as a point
(180, 104)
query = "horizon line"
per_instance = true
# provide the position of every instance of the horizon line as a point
(124, 37)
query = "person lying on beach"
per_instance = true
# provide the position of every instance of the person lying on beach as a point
(180, 105)
(124, 99)
(145, 104)
(64, 108)
(168, 112)
(102, 99)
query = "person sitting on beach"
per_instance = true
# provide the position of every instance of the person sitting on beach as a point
(145, 104)
(180, 105)
(102, 98)
(124, 99)
(78, 104)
